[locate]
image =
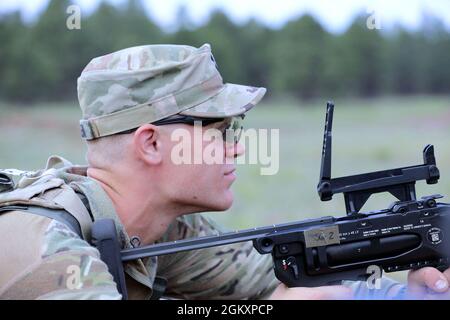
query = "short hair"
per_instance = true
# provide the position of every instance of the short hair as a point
(104, 152)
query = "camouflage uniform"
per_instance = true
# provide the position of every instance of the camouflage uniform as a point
(117, 92)
(42, 261)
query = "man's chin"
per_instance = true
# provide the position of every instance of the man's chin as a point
(221, 202)
(225, 203)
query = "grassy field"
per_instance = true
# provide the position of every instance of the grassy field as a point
(368, 135)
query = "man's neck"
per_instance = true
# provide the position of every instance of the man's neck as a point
(143, 213)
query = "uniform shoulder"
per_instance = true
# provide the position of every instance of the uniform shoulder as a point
(46, 259)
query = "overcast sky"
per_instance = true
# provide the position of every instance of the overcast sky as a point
(334, 15)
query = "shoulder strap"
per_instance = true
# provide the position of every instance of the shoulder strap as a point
(74, 205)
(59, 215)
(104, 238)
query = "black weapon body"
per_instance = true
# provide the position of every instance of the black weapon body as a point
(324, 251)
(343, 248)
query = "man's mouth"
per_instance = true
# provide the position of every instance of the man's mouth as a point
(230, 175)
(230, 172)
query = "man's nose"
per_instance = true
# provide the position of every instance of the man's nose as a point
(234, 150)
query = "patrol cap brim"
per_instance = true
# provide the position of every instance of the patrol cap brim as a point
(232, 100)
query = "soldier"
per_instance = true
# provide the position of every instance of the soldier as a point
(132, 102)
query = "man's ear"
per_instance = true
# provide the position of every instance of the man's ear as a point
(147, 144)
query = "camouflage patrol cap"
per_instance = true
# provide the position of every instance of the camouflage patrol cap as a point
(128, 88)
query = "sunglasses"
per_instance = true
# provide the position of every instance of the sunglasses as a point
(231, 129)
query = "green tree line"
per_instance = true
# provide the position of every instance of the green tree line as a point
(41, 60)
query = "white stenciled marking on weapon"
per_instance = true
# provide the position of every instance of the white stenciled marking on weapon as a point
(435, 236)
(370, 233)
(390, 229)
(322, 236)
